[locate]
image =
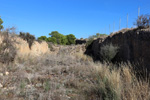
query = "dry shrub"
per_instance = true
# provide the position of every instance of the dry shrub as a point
(27, 37)
(66, 77)
(83, 57)
(108, 51)
(7, 49)
(116, 84)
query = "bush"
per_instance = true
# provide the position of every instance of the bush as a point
(90, 40)
(7, 49)
(108, 52)
(27, 37)
(143, 21)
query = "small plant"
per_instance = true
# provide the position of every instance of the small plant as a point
(22, 85)
(47, 86)
(108, 52)
(27, 37)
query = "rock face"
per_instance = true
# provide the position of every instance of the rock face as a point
(23, 49)
(81, 41)
(36, 48)
(134, 46)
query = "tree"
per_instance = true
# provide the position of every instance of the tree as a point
(70, 39)
(60, 38)
(63, 40)
(1, 22)
(143, 21)
(51, 39)
(42, 38)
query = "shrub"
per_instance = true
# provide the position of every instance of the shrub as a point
(108, 52)
(27, 37)
(7, 49)
(90, 40)
(143, 21)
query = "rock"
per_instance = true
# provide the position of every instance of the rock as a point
(6, 73)
(80, 41)
(39, 85)
(1, 74)
(134, 46)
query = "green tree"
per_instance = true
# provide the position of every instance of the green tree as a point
(1, 22)
(42, 38)
(60, 38)
(63, 40)
(70, 39)
(51, 39)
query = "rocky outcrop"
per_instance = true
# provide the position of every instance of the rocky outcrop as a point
(22, 47)
(80, 41)
(134, 46)
(36, 48)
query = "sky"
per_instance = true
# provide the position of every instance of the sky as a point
(82, 18)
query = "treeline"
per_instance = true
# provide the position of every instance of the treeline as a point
(58, 38)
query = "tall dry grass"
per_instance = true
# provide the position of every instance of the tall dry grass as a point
(66, 77)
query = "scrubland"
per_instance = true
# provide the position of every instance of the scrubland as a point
(69, 76)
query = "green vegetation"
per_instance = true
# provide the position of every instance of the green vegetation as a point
(28, 37)
(91, 38)
(71, 39)
(108, 52)
(47, 86)
(58, 38)
(43, 38)
(1, 22)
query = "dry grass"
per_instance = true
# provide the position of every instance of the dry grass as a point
(66, 77)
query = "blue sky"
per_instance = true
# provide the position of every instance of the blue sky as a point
(79, 17)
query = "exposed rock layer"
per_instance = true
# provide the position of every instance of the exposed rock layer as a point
(134, 46)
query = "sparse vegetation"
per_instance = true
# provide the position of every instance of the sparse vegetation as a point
(69, 78)
(143, 21)
(68, 74)
(27, 37)
(91, 38)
